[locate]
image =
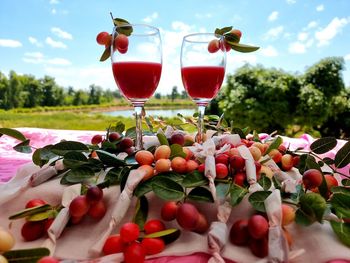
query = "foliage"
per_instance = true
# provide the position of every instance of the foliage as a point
(271, 99)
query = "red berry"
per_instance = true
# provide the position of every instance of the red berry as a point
(169, 210)
(134, 253)
(35, 202)
(201, 168)
(48, 223)
(259, 247)
(103, 38)
(239, 234)
(129, 232)
(237, 162)
(96, 139)
(48, 259)
(153, 245)
(213, 46)
(121, 42)
(312, 178)
(114, 136)
(32, 230)
(154, 225)
(258, 227)
(222, 158)
(126, 143)
(236, 32)
(97, 210)
(113, 244)
(240, 178)
(94, 194)
(221, 170)
(79, 206)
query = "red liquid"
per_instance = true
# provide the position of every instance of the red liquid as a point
(202, 82)
(137, 80)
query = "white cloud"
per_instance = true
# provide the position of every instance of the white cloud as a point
(54, 11)
(35, 42)
(60, 33)
(151, 17)
(273, 16)
(55, 44)
(325, 35)
(203, 16)
(347, 57)
(291, 2)
(273, 33)
(33, 57)
(302, 36)
(320, 8)
(269, 51)
(311, 24)
(59, 61)
(54, 2)
(10, 43)
(297, 48)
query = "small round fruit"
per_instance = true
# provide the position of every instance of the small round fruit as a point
(153, 246)
(202, 224)
(237, 162)
(96, 139)
(240, 178)
(114, 136)
(201, 168)
(276, 155)
(48, 259)
(34, 203)
(331, 181)
(239, 234)
(3, 259)
(134, 253)
(259, 247)
(187, 216)
(224, 45)
(179, 165)
(258, 227)
(79, 206)
(114, 244)
(102, 38)
(7, 241)
(256, 153)
(154, 225)
(287, 162)
(191, 165)
(177, 138)
(288, 214)
(126, 143)
(76, 220)
(222, 158)
(162, 165)
(121, 41)
(148, 170)
(162, 152)
(169, 210)
(221, 170)
(312, 178)
(144, 157)
(129, 232)
(94, 194)
(97, 210)
(236, 32)
(32, 230)
(47, 224)
(213, 46)
(188, 152)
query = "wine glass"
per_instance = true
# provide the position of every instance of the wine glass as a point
(203, 62)
(136, 55)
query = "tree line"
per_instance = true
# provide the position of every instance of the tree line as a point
(272, 99)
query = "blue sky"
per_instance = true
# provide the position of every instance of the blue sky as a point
(58, 37)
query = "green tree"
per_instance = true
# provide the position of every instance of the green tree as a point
(174, 93)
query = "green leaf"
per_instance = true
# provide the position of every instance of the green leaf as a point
(74, 159)
(106, 54)
(276, 183)
(328, 160)
(23, 147)
(131, 133)
(122, 26)
(109, 159)
(265, 182)
(113, 176)
(231, 38)
(340, 201)
(242, 47)
(342, 158)
(345, 182)
(167, 189)
(312, 207)
(141, 212)
(301, 218)
(342, 230)
(275, 144)
(43, 155)
(62, 148)
(237, 193)
(144, 188)
(299, 192)
(119, 127)
(200, 194)
(176, 150)
(257, 200)
(162, 139)
(79, 175)
(194, 179)
(31, 255)
(168, 235)
(12, 133)
(42, 216)
(30, 211)
(124, 174)
(222, 190)
(238, 131)
(323, 145)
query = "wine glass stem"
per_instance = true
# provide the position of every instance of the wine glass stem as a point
(201, 111)
(138, 117)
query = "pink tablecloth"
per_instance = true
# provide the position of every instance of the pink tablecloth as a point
(11, 160)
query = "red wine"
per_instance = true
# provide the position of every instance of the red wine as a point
(202, 82)
(137, 80)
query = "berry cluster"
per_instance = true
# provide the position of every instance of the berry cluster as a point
(91, 204)
(186, 215)
(128, 241)
(122, 144)
(120, 42)
(215, 45)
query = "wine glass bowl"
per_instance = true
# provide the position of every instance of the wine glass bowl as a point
(203, 63)
(136, 56)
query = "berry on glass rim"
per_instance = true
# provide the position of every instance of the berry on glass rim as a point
(103, 37)
(121, 42)
(129, 232)
(213, 46)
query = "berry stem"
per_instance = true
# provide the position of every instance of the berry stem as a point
(111, 16)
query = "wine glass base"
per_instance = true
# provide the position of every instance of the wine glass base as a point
(201, 101)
